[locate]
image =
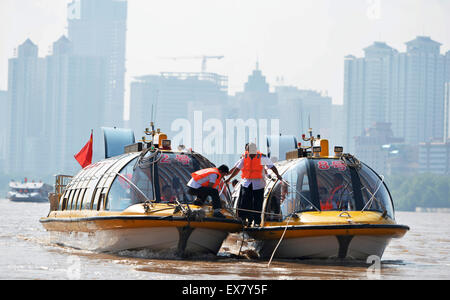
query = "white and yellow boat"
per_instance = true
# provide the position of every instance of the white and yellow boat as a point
(137, 201)
(325, 207)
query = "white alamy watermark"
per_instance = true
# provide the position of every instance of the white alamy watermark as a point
(214, 136)
(73, 272)
(374, 9)
(374, 270)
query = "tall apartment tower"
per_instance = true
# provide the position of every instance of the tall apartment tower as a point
(416, 108)
(26, 140)
(4, 125)
(366, 89)
(73, 105)
(447, 66)
(97, 28)
(447, 97)
(404, 89)
(447, 113)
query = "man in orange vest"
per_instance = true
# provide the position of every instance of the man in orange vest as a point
(252, 165)
(206, 183)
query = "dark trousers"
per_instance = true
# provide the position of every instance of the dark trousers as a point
(251, 200)
(203, 193)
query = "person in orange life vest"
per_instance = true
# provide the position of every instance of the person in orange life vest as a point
(207, 182)
(167, 195)
(252, 165)
(339, 196)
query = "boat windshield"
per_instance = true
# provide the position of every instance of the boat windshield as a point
(174, 172)
(328, 185)
(375, 195)
(334, 185)
(122, 195)
(290, 195)
(161, 178)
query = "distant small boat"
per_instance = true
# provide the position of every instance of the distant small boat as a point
(28, 191)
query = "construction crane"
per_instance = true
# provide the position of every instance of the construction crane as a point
(204, 59)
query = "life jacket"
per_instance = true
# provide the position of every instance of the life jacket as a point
(252, 167)
(328, 204)
(204, 173)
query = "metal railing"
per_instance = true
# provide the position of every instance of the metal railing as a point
(61, 183)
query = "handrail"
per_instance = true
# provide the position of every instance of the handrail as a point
(61, 182)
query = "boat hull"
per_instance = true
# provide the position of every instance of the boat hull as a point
(28, 199)
(112, 234)
(324, 242)
(159, 239)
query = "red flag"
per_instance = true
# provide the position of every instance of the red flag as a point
(84, 157)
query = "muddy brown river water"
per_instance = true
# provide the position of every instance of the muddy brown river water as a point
(27, 253)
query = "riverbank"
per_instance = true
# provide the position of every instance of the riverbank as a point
(432, 210)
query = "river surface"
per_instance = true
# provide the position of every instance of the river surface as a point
(26, 252)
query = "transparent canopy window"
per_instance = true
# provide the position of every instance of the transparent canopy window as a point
(174, 172)
(375, 194)
(344, 188)
(328, 185)
(334, 184)
(122, 195)
(161, 177)
(290, 196)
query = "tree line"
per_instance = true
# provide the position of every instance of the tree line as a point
(419, 190)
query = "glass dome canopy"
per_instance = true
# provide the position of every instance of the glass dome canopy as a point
(159, 176)
(326, 184)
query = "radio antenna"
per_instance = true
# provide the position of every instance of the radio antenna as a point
(151, 114)
(154, 108)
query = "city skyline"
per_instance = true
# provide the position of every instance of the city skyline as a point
(79, 85)
(310, 59)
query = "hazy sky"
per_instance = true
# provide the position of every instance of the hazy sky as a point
(304, 41)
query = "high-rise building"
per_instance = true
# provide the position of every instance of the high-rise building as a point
(447, 97)
(447, 66)
(404, 89)
(369, 147)
(447, 112)
(316, 112)
(303, 109)
(97, 28)
(73, 102)
(171, 96)
(27, 144)
(290, 108)
(366, 89)
(416, 108)
(337, 124)
(4, 120)
(434, 157)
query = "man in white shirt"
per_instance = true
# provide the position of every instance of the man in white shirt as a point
(253, 165)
